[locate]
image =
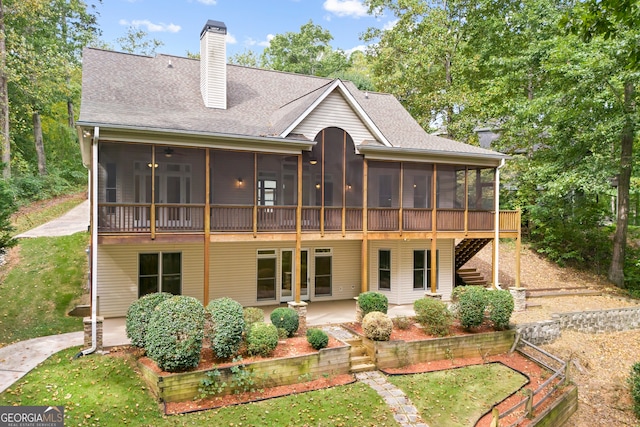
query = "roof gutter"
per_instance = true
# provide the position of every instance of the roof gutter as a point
(203, 139)
(438, 156)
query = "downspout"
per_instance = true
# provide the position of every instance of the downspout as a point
(496, 239)
(94, 245)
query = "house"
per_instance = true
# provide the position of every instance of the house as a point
(213, 180)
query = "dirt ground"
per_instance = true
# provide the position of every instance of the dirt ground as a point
(603, 360)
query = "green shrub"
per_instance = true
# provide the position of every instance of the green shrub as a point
(471, 305)
(139, 315)
(500, 305)
(175, 333)
(285, 318)
(377, 326)
(634, 384)
(227, 326)
(433, 315)
(401, 322)
(373, 301)
(252, 315)
(7, 208)
(317, 338)
(262, 339)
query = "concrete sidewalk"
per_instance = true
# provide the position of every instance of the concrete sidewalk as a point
(16, 360)
(74, 221)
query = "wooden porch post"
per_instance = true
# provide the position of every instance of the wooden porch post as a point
(255, 195)
(344, 183)
(207, 225)
(364, 285)
(518, 247)
(298, 258)
(322, 186)
(152, 214)
(434, 232)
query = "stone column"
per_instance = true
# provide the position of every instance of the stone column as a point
(301, 309)
(433, 295)
(519, 298)
(87, 332)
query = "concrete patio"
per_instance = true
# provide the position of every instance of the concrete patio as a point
(318, 314)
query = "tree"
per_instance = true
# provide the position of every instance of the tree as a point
(423, 60)
(306, 52)
(248, 58)
(617, 21)
(5, 140)
(137, 41)
(7, 208)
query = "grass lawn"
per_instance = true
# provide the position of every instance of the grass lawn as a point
(459, 397)
(105, 391)
(38, 291)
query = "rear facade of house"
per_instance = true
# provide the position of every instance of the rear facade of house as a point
(213, 180)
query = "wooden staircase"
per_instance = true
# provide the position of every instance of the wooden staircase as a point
(465, 250)
(359, 357)
(470, 276)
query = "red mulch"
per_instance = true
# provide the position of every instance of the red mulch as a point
(298, 345)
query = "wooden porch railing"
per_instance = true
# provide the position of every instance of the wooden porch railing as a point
(136, 218)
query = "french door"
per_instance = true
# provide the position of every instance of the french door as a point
(288, 272)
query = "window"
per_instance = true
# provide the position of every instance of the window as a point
(267, 187)
(266, 280)
(422, 269)
(160, 272)
(384, 269)
(323, 272)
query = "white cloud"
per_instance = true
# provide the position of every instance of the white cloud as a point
(353, 8)
(360, 47)
(389, 25)
(264, 43)
(151, 27)
(230, 39)
(208, 2)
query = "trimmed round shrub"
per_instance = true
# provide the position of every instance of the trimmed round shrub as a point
(471, 303)
(377, 326)
(373, 301)
(252, 315)
(286, 318)
(139, 315)
(317, 338)
(434, 316)
(175, 333)
(262, 339)
(227, 326)
(500, 306)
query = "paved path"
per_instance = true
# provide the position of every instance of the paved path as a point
(405, 413)
(19, 358)
(74, 221)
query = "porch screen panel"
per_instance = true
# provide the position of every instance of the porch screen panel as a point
(312, 175)
(450, 188)
(416, 192)
(481, 188)
(277, 180)
(353, 180)
(232, 178)
(333, 162)
(384, 185)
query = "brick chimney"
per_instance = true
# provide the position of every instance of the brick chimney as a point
(213, 64)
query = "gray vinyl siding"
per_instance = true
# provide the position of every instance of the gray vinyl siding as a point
(233, 270)
(402, 291)
(118, 274)
(334, 111)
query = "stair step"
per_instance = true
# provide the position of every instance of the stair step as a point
(466, 270)
(360, 360)
(365, 367)
(471, 275)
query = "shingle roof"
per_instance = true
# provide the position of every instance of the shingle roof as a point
(163, 92)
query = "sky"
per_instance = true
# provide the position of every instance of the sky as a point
(250, 23)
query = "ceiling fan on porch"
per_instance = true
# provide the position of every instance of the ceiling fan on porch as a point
(170, 152)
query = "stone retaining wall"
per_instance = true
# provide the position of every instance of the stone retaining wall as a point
(593, 321)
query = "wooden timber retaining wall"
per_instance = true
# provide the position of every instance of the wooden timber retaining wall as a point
(395, 354)
(178, 387)
(559, 412)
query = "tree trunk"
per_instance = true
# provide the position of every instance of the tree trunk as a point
(72, 121)
(37, 134)
(5, 141)
(616, 270)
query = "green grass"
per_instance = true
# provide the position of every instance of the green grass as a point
(458, 397)
(105, 391)
(37, 292)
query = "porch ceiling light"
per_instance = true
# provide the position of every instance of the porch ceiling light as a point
(168, 152)
(313, 161)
